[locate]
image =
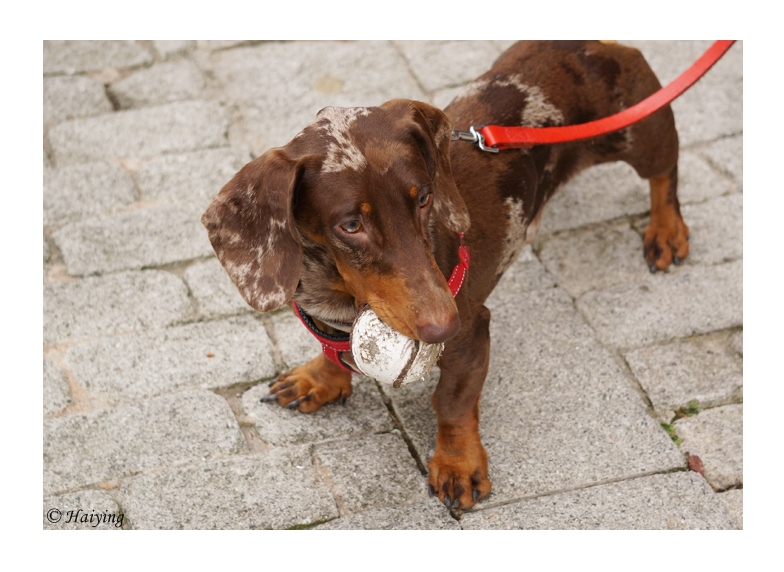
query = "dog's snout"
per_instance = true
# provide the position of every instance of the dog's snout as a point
(438, 331)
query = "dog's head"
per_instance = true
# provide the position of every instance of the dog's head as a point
(357, 193)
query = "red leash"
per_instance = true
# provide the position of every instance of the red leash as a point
(493, 138)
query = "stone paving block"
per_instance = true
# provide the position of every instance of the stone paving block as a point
(594, 257)
(69, 56)
(139, 133)
(90, 448)
(168, 48)
(556, 410)
(274, 490)
(70, 97)
(733, 504)
(133, 240)
(715, 230)
(214, 292)
(74, 511)
(315, 75)
(412, 406)
(698, 180)
(726, 155)
(613, 190)
(676, 304)
(443, 97)
(77, 191)
(526, 274)
(189, 178)
(438, 64)
(598, 194)
(716, 437)
(712, 107)
(114, 304)
(601, 256)
(296, 344)
(202, 355)
(162, 83)
(363, 413)
(47, 254)
(504, 45)
(681, 500)
(427, 514)
(371, 472)
(57, 396)
(702, 369)
(222, 44)
(736, 342)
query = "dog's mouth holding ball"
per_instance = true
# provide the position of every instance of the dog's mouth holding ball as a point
(386, 355)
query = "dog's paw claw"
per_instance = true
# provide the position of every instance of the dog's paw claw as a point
(270, 397)
(460, 481)
(665, 245)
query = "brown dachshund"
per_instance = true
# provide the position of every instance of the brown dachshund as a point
(365, 206)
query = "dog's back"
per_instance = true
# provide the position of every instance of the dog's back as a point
(545, 84)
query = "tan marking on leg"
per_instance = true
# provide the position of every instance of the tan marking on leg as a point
(667, 236)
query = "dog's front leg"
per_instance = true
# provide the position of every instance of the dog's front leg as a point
(311, 385)
(458, 469)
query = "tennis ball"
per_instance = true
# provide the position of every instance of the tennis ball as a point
(387, 355)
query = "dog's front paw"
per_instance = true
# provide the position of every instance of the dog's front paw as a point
(458, 475)
(666, 244)
(310, 386)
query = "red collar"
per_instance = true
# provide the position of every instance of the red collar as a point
(333, 345)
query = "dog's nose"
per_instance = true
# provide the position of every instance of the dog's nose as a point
(439, 331)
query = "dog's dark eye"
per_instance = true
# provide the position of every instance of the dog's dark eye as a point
(352, 226)
(424, 199)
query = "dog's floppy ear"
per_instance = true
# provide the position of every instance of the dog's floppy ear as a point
(448, 205)
(252, 229)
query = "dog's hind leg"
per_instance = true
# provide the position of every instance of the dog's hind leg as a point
(666, 238)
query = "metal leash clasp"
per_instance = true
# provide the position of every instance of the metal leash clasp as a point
(474, 136)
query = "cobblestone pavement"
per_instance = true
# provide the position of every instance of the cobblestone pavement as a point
(606, 382)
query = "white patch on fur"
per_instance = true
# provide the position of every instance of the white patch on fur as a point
(342, 153)
(515, 81)
(519, 233)
(273, 299)
(538, 110)
(239, 272)
(532, 230)
(515, 234)
(472, 89)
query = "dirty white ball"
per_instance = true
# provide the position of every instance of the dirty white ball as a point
(387, 355)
